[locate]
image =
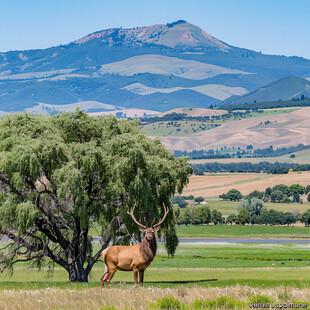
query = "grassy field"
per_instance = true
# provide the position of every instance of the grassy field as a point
(187, 128)
(228, 207)
(214, 184)
(225, 275)
(244, 231)
(211, 264)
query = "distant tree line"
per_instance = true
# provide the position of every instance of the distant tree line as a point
(199, 215)
(302, 102)
(247, 167)
(270, 152)
(255, 153)
(181, 117)
(250, 208)
(202, 154)
(279, 193)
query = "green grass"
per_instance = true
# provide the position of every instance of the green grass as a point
(296, 277)
(243, 231)
(262, 265)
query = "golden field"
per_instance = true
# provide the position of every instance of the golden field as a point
(215, 184)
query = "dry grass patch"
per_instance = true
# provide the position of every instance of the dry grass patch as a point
(214, 184)
(137, 298)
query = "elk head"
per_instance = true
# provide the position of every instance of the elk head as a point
(149, 232)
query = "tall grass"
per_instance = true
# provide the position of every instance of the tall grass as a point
(237, 297)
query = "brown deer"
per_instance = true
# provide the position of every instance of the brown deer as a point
(134, 258)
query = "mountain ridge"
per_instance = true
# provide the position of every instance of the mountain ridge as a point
(189, 58)
(177, 34)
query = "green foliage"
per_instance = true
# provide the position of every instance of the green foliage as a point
(298, 189)
(185, 216)
(281, 170)
(179, 200)
(167, 303)
(257, 194)
(199, 199)
(223, 302)
(216, 217)
(201, 215)
(243, 217)
(171, 240)
(232, 195)
(305, 218)
(61, 173)
(261, 299)
(231, 218)
(276, 196)
(282, 188)
(253, 206)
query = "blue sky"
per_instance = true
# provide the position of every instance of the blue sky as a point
(271, 26)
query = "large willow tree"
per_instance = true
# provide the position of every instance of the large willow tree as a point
(62, 175)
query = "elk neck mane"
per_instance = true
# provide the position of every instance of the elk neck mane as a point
(148, 249)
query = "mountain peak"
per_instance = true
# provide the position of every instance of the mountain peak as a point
(179, 34)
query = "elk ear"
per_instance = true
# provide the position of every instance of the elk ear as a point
(156, 228)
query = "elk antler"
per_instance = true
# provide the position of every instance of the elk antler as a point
(133, 217)
(164, 217)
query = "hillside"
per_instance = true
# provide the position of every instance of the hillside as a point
(284, 89)
(281, 130)
(158, 68)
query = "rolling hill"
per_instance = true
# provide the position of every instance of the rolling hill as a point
(281, 130)
(283, 89)
(158, 68)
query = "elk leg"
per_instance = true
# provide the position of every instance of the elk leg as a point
(110, 276)
(103, 279)
(135, 275)
(141, 275)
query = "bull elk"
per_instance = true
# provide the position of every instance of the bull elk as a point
(134, 258)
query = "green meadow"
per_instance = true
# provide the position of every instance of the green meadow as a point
(211, 264)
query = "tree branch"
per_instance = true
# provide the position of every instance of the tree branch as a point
(63, 242)
(105, 242)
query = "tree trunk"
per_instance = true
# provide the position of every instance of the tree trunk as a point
(77, 273)
(75, 268)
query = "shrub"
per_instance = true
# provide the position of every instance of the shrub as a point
(221, 302)
(261, 299)
(170, 303)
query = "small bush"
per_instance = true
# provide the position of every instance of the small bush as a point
(221, 302)
(261, 299)
(170, 303)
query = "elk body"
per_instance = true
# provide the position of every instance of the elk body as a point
(134, 258)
